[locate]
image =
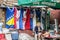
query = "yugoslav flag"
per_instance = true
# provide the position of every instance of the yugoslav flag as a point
(27, 24)
(16, 18)
(9, 17)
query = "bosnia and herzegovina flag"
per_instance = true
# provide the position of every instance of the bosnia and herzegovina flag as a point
(9, 17)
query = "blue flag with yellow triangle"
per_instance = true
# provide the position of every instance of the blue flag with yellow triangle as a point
(9, 17)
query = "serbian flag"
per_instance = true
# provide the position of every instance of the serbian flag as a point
(9, 17)
(21, 19)
(16, 18)
(27, 24)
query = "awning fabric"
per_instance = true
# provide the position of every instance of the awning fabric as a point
(49, 3)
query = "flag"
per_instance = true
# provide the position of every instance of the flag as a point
(34, 19)
(31, 20)
(24, 19)
(21, 19)
(9, 17)
(16, 18)
(27, 24)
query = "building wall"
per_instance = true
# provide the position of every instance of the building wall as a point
(2, 16)
(9, 2)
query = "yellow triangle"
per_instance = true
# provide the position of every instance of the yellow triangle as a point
(10, 22)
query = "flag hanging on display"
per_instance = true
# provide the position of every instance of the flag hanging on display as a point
(34, 20)
(31, 19)
(16, 18)
(24, 19)
(21, 19)
(27, 24)
(9, 17)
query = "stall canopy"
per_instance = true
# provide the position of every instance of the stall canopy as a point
(20, 2)
(50, 3)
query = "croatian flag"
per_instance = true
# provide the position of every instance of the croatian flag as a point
(16, 18)
(27, 24)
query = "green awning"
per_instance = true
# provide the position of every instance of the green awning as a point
(49, 3)
(20, 2)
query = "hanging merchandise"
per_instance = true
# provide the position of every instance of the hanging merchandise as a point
(16, 18)
(43, 17)
(27, 24)
(34, 19)
(21, 19)
(24, 19)
(9, 17)
(48, 20)
(38, 15)
(31, 19)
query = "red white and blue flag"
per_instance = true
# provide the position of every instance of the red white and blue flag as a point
(16, 18)
(24, 19)
(27, 24)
